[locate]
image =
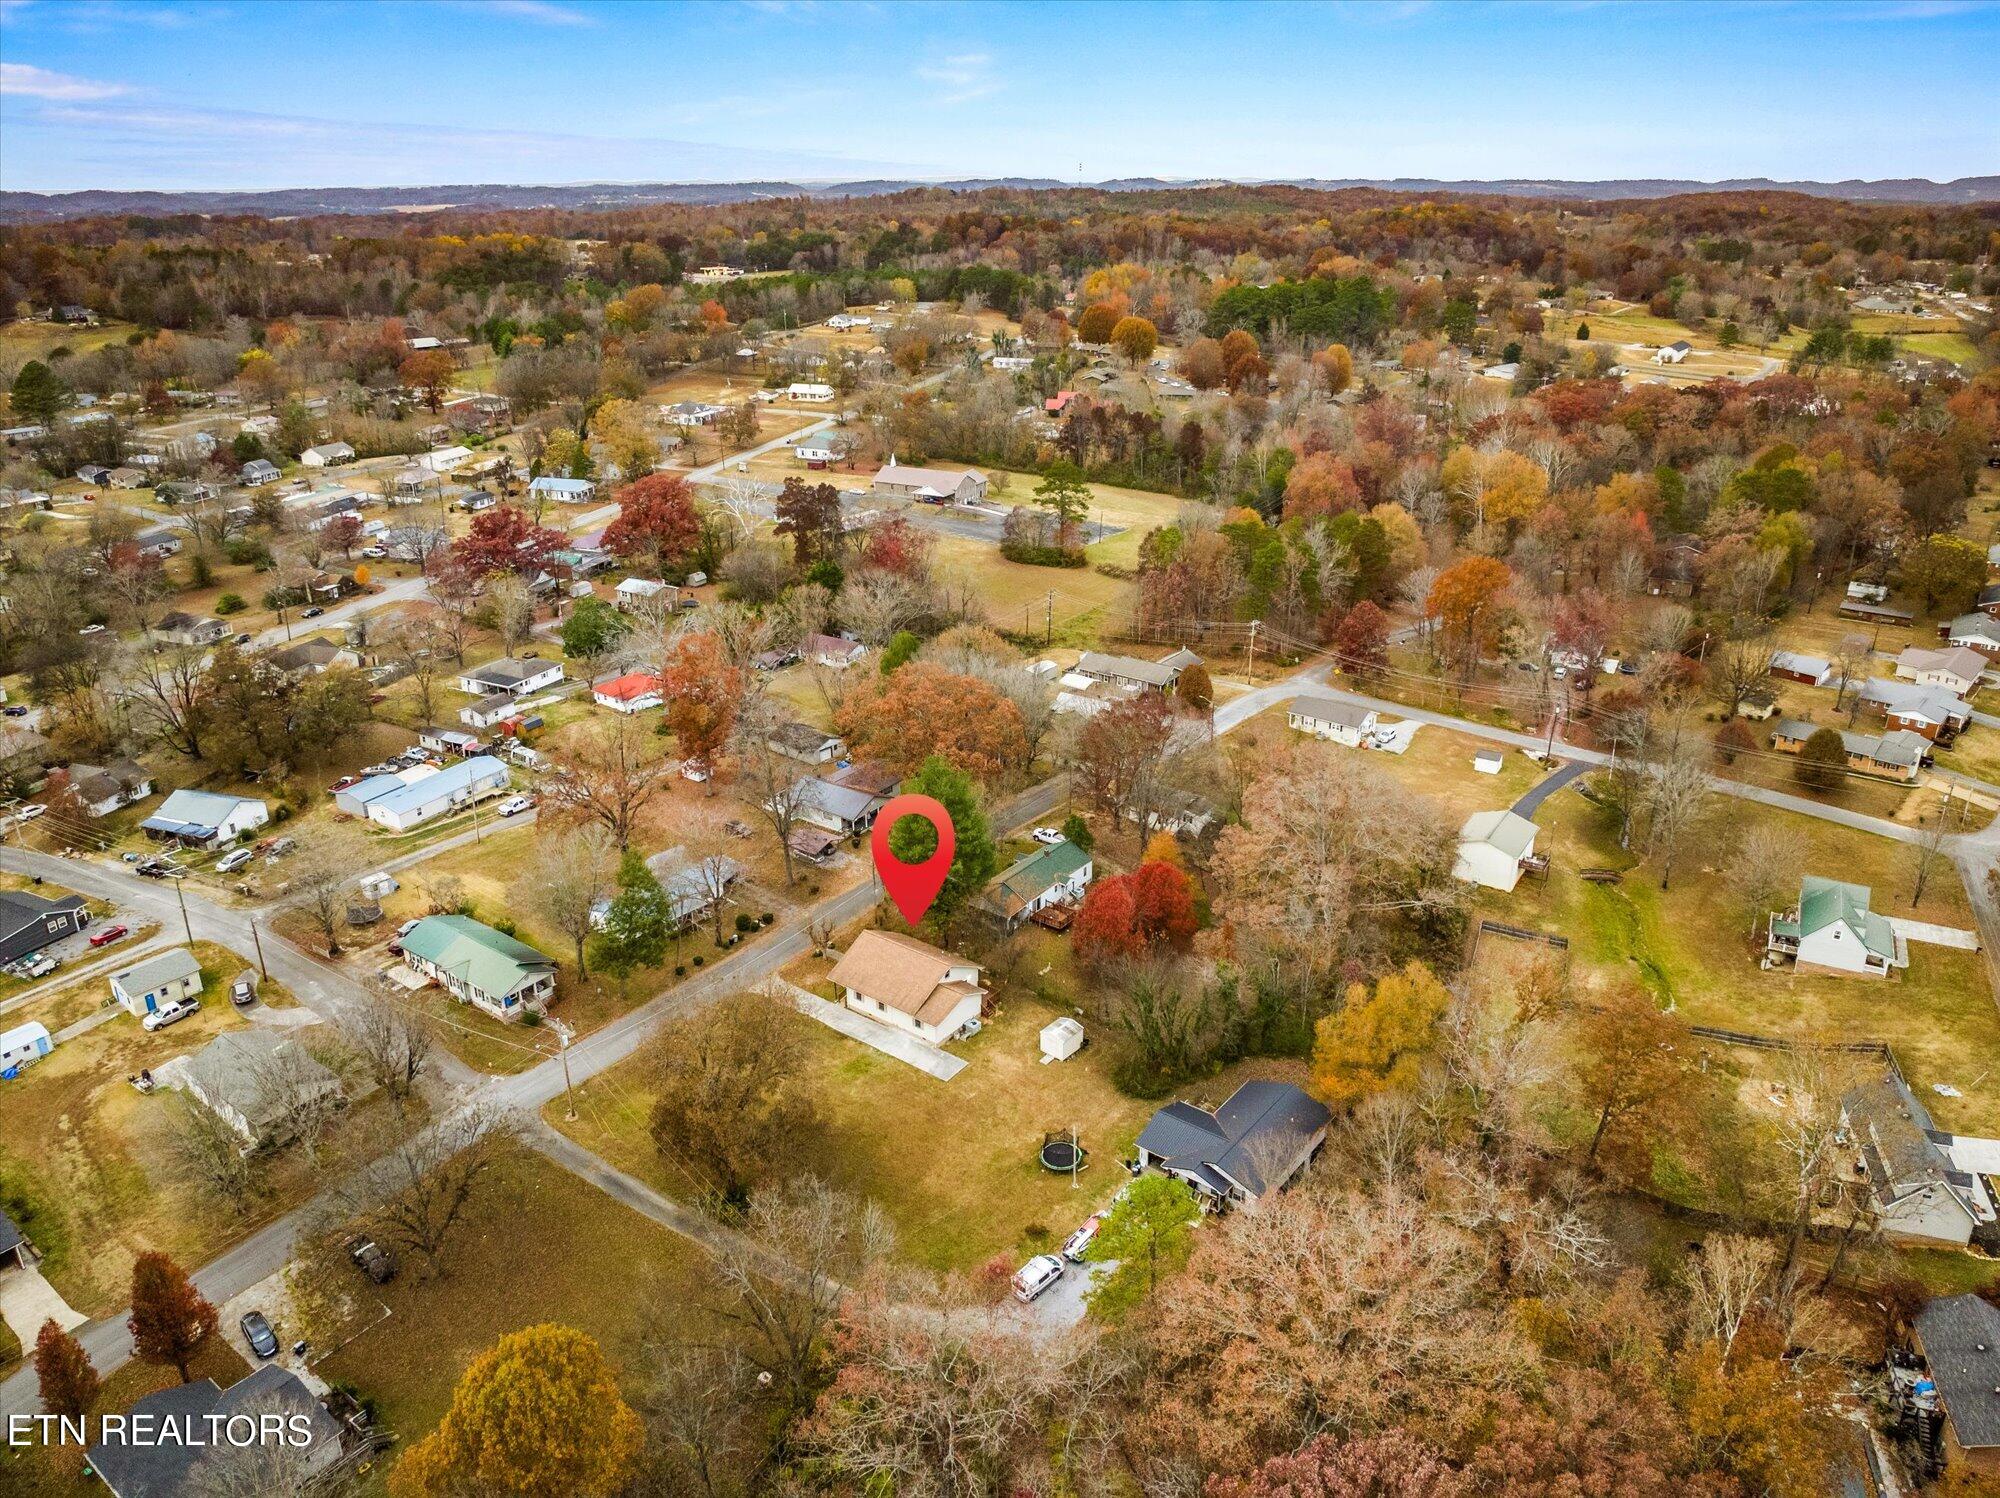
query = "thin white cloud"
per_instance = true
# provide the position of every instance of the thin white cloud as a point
(963, 75)
(541, 12)
(24, 81)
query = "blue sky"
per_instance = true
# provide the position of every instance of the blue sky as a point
(285, 93)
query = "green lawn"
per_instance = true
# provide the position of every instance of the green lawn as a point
(954, 1164)
(86, 1164)
(1692, 947)
(537, 1245)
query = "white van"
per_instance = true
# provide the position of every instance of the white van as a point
(1035, 1276)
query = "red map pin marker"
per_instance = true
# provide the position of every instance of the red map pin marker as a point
(913, 886)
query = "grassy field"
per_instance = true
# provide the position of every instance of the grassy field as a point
(953, 1163)
(536, 1245)
(86, 1162)
(1439, 763)
(1692, 946)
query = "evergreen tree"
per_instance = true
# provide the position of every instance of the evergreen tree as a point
(974, 858)
(639, 924)
(39, 393)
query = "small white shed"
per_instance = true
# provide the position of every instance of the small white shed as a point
(1488, 761)
(30, 1042)
(1061, 1039)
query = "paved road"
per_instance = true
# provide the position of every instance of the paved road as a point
(266, 1251)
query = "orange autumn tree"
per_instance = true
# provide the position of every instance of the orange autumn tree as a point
(170, 1318)
(1465, 601)
(538, 1415)
(1377, 1040)
(923, 709)
(702, 692)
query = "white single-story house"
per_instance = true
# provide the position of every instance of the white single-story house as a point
(1324, 718)
(809, 392)
(160, 979)
(326, 455)
(412, 797)
(909, 984)
(247, 1077)
(205, 817)
(1860, 591)
(517, 677)
(634, 591)
(1980, 632)
(831, 650)
(497, 707)
(103, 789)
(480, 966)
(1674, 353)
(189, 629)
(803, 742)
(1129, 671)
(843, 320)
(444, 459)
(1831, 930)
(566, 491)
(1491, 848)
(821, 449)
(1244, 1152)
(842, 809)
(258, 471)
(930, 485)
(633, 692)
(1956, 668)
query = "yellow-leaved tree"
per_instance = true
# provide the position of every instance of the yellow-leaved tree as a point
(1376, 1041)
(538, 1415)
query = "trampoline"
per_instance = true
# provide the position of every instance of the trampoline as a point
(1063, 1153)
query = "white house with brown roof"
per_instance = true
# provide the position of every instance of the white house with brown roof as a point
(1956, 668)
(909, 984)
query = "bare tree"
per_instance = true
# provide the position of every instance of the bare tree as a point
(299, 1103)
(430, 1180)
(573, 869)
(1816, 1078)
(767, 779)
(167, 692)
(698, 1406)
(211, 1153)
(609, 777)
(394, 1047)
(809, 1242)
(411, 645)
(1725, 1281)
(323, 875)
(266, 1467)
(1677, 791)
(1763, 869)
(741, 498)
(1930, 846)
(512, 606)
(1737, 668)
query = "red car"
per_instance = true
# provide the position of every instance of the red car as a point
(108, 935)
(344, 782)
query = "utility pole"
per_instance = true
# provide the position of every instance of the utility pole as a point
(563, 1034)
(258, 942)
(1250, 652)
(181, 895)
(1049, 635)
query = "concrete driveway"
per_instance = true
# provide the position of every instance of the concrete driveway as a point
(27, 1300)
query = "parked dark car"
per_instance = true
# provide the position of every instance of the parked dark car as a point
(257, 1332)
(372, 1260)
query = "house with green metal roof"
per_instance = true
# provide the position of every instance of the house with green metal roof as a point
(1052, 875)
(1832, 930)
(480, 966)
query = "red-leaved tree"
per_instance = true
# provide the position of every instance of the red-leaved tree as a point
(1148, 911)
(702, 692)
(504, 539)
(656, 523)
(170, 1318)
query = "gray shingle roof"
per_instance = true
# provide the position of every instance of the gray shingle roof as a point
(1961, 1337)
(144, 977)
(1261, 1122)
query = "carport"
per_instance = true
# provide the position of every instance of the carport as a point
(13, 1244)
